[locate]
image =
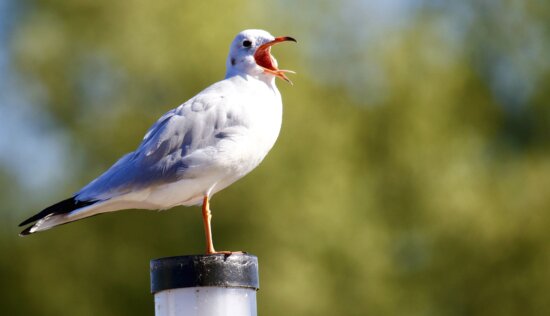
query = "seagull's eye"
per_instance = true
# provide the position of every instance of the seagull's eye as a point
(247, 43)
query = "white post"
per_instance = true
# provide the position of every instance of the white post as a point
(205, 285)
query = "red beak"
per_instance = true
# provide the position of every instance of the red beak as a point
(265, 60)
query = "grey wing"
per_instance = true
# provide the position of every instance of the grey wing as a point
(168, 152)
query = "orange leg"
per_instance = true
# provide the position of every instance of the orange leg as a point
(206, 217)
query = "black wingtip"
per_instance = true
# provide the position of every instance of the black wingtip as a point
(31, 219)
(26, 232)
(62, 207)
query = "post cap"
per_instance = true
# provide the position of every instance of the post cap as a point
(221, 270)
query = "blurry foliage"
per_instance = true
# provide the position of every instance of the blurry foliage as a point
(431, 199)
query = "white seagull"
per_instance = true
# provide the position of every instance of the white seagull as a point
(194, 150)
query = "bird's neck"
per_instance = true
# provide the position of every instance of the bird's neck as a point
(268, 79)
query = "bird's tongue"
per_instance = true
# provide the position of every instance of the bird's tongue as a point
(265, 60)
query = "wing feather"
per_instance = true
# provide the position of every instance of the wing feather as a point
(169, 151)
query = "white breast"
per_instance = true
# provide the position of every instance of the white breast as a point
(252, 111)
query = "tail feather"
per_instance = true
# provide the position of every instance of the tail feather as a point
(63, 207)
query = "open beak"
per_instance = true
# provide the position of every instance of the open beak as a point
(265, 60)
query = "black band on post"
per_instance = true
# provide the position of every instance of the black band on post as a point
(221, 270)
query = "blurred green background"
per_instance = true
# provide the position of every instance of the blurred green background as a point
(411, 177)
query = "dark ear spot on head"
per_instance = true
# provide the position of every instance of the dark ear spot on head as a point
(232, 61)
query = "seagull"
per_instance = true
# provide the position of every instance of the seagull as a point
(195, 150)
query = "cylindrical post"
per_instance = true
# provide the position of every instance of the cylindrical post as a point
(204, 285)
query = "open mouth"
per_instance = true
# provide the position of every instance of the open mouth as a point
(265, 60)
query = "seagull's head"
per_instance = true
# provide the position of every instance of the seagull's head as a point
(250, 53)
